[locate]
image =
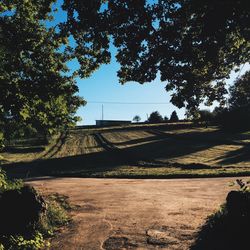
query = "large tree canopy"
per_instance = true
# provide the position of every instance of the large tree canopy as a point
(36, 87)
(192, 44)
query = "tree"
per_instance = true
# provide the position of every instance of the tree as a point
(174, 117)
(237, 115)
(36, 87)
(166, 118)
(205, 115)
(193, 44)
(240, 92)
(137, 118)
(155, 117)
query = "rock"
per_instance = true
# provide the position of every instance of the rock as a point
(19, 210)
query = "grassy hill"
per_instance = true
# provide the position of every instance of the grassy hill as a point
(135, 151)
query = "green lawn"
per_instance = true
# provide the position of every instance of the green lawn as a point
(132, 152)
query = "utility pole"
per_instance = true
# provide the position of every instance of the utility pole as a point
(102, 112)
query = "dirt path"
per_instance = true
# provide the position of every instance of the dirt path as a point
(135, 214)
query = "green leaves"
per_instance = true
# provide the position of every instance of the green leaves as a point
(193, 44)
(36, 87)
(240, 92)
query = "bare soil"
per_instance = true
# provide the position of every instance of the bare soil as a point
(135, 214)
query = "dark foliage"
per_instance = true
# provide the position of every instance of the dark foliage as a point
(205, 116)
(174, 117)
(193, 44)
(237, 115)
(20, 210)
(228, 229)
(155, 117)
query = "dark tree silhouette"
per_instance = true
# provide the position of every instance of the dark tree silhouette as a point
(240, 92)
(155, 117)
(237, 115)
(174, 117)
(193, 44)
(205, 115)
(166, 118)
(137, 118)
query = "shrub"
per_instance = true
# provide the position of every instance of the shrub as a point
(6, 184)
(26, 218)
(20, 210)
(55, 216)
(228, 228)
(35, 242)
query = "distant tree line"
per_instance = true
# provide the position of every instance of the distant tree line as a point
(156, 117)
(234, 115)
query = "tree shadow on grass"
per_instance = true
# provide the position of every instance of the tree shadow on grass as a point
(24, 150)
(112, 158)
(239, 155)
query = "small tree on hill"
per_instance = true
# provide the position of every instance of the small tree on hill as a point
(166, 118)
(174, 117)
(155, 117)
(137, 118)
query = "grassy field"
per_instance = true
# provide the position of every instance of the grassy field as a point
(137, 151)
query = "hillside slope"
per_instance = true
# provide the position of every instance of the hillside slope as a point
(174, 150)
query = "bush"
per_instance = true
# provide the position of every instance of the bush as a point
(55, 216)
(26, 218)
(227, 229)
(35, 242)
(6, 184)
(20, 210)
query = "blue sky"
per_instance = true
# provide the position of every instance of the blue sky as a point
(104, 86)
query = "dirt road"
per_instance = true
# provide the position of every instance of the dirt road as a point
(135, 214)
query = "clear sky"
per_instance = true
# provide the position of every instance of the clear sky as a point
(103, 86)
